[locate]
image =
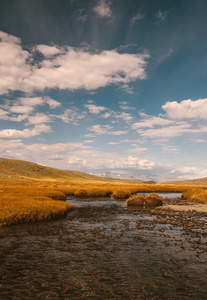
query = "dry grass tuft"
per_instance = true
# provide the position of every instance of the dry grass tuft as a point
(143, 200)
(196, 195)
(121, 194)
(136, 200)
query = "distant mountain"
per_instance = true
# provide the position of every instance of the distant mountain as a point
(12, 169)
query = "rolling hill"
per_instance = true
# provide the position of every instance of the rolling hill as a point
(12, 169)
(199, 181)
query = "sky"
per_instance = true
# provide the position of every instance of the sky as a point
(109, 87)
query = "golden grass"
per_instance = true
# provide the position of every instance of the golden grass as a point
(26, 202)
(30, 192)
(196, 195)
(29, 201)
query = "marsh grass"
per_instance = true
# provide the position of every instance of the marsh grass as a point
(39, 200)
(26, 202)
(198, 195)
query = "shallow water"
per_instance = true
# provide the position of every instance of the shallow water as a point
(101, 250)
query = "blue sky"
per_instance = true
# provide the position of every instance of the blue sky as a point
(115, 88)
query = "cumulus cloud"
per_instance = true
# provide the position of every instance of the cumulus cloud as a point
(124, 116)
(105, 129)
(95, 109)
(170, 131)
(71, 116)
(103, 9)
(186, 109)
(13, 63)
(150, 122)
(39, 118)
(52, 103)
(26, 133)
(65, 67)
(30, 101)
(48, 50)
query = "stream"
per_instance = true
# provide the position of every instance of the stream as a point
(101, 250)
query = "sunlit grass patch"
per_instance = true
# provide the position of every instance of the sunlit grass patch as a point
(121, 194)
(92, 192)
(29, 203)
(195, 195)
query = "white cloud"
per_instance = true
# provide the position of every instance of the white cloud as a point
(125, 106)
(52, 103)
(39, 118)
(124, 116)
(94, 109)
(71, 68)
(77, 69)
(71, 116)
(170, 131)
(26, 133)
(113, 143)
(21, 109)
(105, 129)
(13, 63)
(103, 9)
(107, 115)
(186, 109)
(150, 122)
(100, 129)
(48, 50)
(30, 101)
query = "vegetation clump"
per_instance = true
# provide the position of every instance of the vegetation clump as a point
(195, 195)
(121, 194)
(92, 192)
(136, 200)
(29, 203)
(142, 200)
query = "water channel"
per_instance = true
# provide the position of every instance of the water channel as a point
(101, 250)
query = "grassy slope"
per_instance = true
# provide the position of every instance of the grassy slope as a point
(12, 169)
(199, 181)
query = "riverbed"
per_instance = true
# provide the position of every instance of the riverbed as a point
(104, 250)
